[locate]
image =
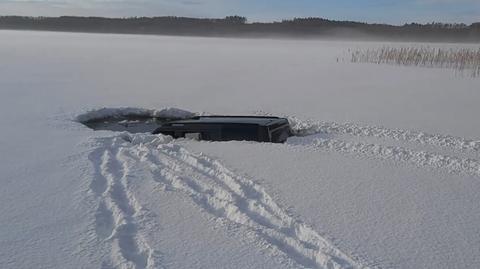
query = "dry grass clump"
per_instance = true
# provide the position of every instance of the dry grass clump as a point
(460, 59)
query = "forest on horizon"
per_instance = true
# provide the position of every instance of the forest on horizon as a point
(237, 26)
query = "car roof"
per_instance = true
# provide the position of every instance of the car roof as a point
(258, 120)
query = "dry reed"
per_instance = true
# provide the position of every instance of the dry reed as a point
(459, 59)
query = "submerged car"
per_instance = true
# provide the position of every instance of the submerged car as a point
(227, 128)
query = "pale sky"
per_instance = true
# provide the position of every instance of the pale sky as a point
(381, 11)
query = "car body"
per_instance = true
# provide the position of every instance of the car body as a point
(227, 128)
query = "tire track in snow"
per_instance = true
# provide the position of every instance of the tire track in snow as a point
(240, 201)
(116, 220)
(452, 164)
(309, 134)
(306, 128)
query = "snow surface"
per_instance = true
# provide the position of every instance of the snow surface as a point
(383, 173)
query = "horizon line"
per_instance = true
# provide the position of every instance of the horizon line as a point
(247, 20)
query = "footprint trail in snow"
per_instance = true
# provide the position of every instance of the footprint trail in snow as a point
(118, 214)
(226, 196)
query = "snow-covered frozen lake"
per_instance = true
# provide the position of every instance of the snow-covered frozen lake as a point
(387, 174)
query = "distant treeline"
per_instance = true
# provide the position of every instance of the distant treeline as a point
(238, 26)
